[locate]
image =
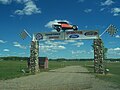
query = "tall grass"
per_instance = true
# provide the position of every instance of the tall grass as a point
(11, 69)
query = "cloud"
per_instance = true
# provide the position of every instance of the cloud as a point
(117, 36)
(52, 46)
(78, 52)
(16, 44)
(29, 9)
(61, 47)
(5, 1)
(115, 11)
(107, 3)
(102, 9)
(70, 41)
(1, 41)
(78, 44)
(114, 51)
(88, 10)
(49, 24)
(22, 1)
(10, 1)
(6, 50)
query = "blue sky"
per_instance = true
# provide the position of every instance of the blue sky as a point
(38, 15)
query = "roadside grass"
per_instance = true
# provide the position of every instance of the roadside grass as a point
(13, 69)
(112, 76)
(62, 64)
(114, 73)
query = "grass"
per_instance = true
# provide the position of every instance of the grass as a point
(61, 64)
(112, 76)
(12, 69)
(114, 73)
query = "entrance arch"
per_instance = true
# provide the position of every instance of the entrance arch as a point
(68, 35)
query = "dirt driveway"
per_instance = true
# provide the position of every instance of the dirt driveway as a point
(68, 78)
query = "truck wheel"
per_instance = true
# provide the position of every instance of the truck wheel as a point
(58, 29)
(75, 28)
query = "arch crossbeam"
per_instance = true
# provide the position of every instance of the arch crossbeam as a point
(69, 35)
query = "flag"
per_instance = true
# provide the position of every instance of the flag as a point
(23, 34)
(112, 30)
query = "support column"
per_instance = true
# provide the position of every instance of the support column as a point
(98, 56)
(34, 54)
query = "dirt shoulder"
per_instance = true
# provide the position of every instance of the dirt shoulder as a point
(68, 78)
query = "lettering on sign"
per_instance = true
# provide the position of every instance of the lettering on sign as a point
(52, 34)
(91, 33)
(74, 36)
(73, 32)
(85, 34)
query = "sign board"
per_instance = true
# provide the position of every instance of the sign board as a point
(71, 35)
(87, 34)
(50, 36)
(38, 36)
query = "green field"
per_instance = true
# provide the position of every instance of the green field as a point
(114, 73)
(12, 69)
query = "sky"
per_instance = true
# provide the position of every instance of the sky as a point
(39, 15)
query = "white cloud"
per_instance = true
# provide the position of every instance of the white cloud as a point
(61, 47)
(49, 24)
(29, 9)
(88, 10)
(115, 11)
(107, 2)
(51, 46)
(54, 30)
(6, 50)
(5, 1)
(102, 9)
(22, 1)
(114, 49)
(1, 41)
(78, 44)
(78, 52)
(16, 44)
(10, 1)
(70, 41)
(117, 36)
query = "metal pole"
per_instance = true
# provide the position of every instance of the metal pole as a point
(105, 30)
(28, 33)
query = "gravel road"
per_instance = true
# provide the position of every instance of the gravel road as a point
(68, 78)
